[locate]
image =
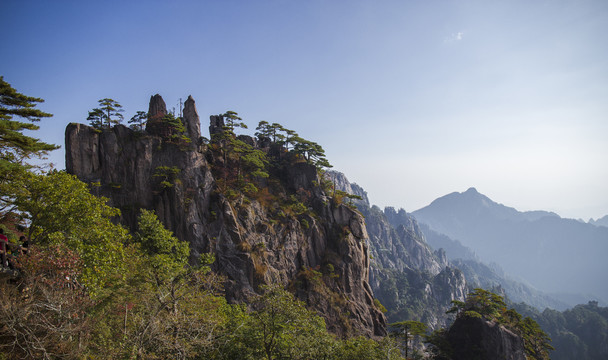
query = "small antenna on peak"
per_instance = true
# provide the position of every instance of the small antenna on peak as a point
(180, 107)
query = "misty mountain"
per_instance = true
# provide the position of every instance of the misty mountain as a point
(553, 254)
(403, 248)
(492, 276)
(600, 222)
(453, 248)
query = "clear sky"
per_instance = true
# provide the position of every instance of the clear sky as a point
(410, 99)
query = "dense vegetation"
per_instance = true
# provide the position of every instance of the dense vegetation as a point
(88, 288)
(580, 332)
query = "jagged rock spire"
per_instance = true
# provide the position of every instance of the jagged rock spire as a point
(156, 111)
(191, 120)
(216, 124)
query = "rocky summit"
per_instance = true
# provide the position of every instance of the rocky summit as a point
(319, 251)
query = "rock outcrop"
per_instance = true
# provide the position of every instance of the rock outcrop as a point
(321, 255)
(477, 338)
(410, 279)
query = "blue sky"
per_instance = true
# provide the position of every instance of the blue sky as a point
(410, 99)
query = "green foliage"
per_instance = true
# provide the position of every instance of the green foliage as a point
(437, 345)
(243, 166)
(281, 327)
(536, 342)
(232, 121)
(164, 308)
(484, 304)
(457, 307)
(138, 121)
(16, 148)
(294, 207)
(167, 254)
(175, 129)
(60, 209)
(363, 348)
(108, 113)
(311, 151)
(408, 330)
(379, 306)
(167, 175)
(580, 332)
(270, 131)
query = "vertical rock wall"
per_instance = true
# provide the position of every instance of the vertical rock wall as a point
(252, 247)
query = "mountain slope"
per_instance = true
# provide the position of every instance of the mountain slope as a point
(288, 231)
(410, 279)
(553, 254)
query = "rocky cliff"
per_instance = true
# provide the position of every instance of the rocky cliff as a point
(476, 338)
(287, 232)
(410, 279)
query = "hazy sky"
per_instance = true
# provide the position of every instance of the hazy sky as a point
(410, 99)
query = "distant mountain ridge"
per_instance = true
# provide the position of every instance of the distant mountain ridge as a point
(553, 254)
(603, 221)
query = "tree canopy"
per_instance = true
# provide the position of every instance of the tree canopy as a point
(138, 121)
(407, 330)
(108, 113)
(482, 303)
(16, 147)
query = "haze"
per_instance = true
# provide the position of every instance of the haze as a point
(410, 99)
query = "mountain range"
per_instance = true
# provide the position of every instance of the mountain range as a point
(564, 257)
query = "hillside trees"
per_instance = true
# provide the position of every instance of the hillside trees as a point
(44, 312)
(280, 327)
(165, 307)
(408, 330)
(16, 148)
(60, 209)
(580, 332)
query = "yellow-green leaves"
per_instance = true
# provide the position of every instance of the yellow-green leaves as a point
(60, 209)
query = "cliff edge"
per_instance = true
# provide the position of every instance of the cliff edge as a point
(288, 231)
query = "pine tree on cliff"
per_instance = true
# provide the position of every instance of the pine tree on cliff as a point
(232, 121)
(107, 114)
(138, 121)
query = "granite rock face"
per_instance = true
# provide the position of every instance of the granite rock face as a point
(191, 120)
(129, 168)
(156, 111)
(340, 182)
(476, 338)
(404, 268)
(252, 246)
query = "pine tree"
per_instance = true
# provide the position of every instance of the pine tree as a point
(107, 114)
(139, 120)
(15, 147)
(232, 120)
